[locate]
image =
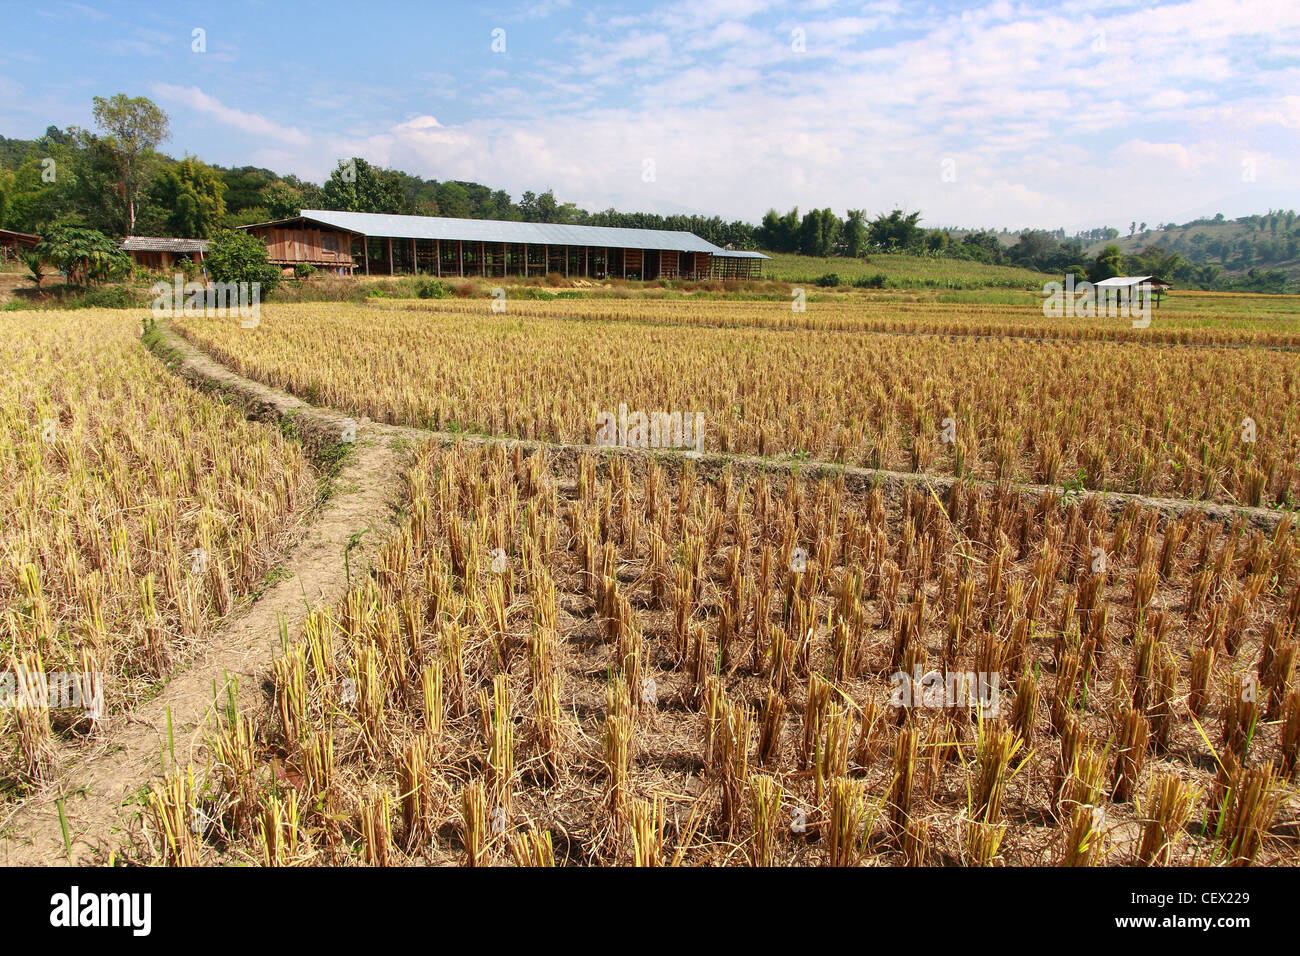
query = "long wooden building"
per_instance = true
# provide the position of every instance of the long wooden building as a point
(350, 243)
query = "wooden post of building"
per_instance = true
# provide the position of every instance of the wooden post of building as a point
(415, 263)
(586, 262)
(437, 255)
(482, 257)
(525, 260)
(460, 256)
(624, 263)
(365, 252)
(390, 255)
(566, 262)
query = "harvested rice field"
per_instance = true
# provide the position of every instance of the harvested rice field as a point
(931, 596)
(560, 660)
(135, 516)
(1196, 422)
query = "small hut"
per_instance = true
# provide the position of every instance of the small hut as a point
(161, 253)
(1129, 288)
(11, 242)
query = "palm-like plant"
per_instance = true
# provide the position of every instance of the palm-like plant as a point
(35, 264)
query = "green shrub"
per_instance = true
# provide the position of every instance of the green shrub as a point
(239, 257)
(110, 297)
(828, 280)
(432, 289)
(304, 270)
(35, 264)
(876, 281)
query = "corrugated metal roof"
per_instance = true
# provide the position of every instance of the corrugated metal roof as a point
(1120, 282)
(740, 254)
(495, 230)
(162, 244)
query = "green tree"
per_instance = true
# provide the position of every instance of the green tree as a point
(1109, 263)
(982, 246)
(853, 237)
(938, 241)
(240, 257)
(35, 200)
(282, 200)
(499, 206)
(1034, 249)
(779, 233)
(811, 239)
(245, 217)
(769, 231)
(830, 230)
(131, 128)
(311, 193)
(193, 195)
(453, 201)
(546, 208)
(245, 186)
(83, 255)
(1159, 262)
(895, 232)
(356, 186)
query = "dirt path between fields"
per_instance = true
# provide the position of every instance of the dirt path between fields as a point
(103, 789)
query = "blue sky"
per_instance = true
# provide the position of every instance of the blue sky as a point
(1069, 114)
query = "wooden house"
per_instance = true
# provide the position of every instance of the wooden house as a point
(12, 243)
(162, 254)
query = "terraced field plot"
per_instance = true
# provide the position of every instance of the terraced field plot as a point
(1221, 424)
(579, 661)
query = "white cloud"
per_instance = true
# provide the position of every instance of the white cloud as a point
(1075, 115)
(251, 123)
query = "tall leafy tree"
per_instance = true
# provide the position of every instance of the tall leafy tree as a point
(282, 200)
(194, 195)
(34, 202)
(245, 186)
(780, 233)
(853, 238)
(897, 231)
(1109, 263)
(357, 186)
(130, 128)
(454, 201)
